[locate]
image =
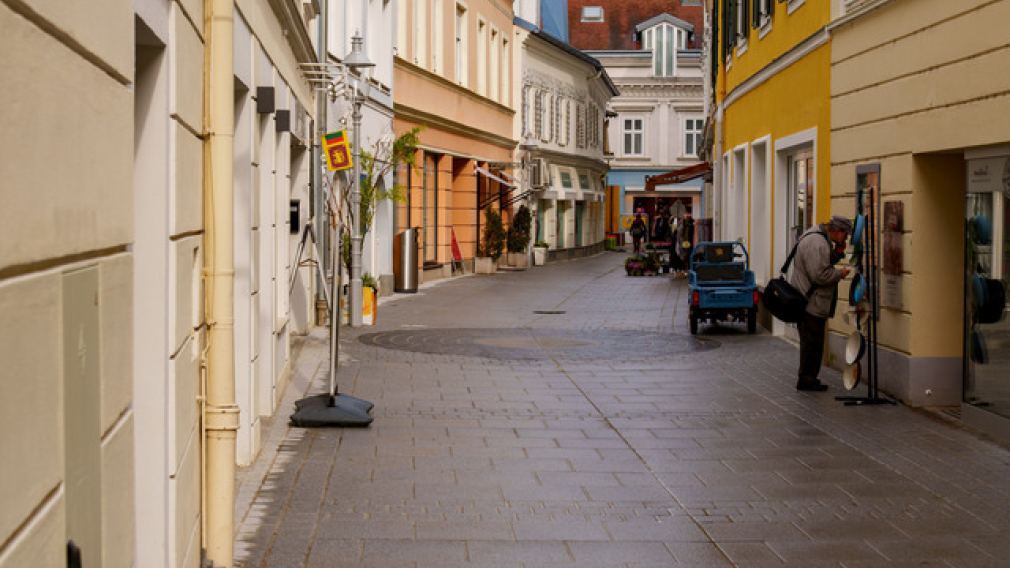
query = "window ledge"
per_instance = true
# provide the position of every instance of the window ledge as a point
(741, 48)
(766, 26)
(794, 5)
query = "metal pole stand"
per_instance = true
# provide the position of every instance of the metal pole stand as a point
(331, 409)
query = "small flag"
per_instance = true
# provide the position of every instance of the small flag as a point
(338, 155)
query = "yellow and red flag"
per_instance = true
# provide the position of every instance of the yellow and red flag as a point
(338, 155)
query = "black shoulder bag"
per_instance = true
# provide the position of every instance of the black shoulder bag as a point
(782, 299)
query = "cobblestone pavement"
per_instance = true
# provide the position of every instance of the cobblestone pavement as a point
(605, 436)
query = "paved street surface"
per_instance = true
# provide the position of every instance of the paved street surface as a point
(604, 435)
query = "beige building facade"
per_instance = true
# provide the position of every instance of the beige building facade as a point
(918, 94)
(102, 273)
(67, 414)
(453, 75)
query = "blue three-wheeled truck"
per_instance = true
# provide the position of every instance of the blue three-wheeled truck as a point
(721, 285)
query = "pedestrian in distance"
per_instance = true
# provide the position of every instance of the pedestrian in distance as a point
(814, 272)
(638, 232)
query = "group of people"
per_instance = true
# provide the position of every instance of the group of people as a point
(678, 232)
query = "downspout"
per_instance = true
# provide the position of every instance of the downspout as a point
(319, 212)
(221, 413)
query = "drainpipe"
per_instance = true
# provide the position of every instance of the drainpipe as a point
(319, 209)
(221, 413)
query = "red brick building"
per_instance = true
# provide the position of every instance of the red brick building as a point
(610, 24)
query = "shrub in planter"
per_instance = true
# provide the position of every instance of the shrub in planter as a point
(519, 230)
(494, 234)
(634, 265)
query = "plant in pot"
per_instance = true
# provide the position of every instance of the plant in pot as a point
(369, 299)
(518, 238)
(494, 243)
(540, 253)
(634, 265)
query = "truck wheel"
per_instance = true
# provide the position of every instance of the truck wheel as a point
(752, 321)
(694, 324)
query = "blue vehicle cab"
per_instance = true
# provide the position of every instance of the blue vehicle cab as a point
(721, 285)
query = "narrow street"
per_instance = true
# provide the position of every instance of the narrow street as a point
(601, 433)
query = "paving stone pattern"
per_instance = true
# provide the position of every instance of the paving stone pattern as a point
(605, 436)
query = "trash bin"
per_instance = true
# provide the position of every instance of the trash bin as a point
(405, 275)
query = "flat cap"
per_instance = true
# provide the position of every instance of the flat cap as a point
(840, 223)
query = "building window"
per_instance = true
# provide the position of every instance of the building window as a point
(664, 40)
(481, 57)
(580, 126)
(762, 13)
(401, 30)
(565, 113)
(525, 103)
(692, 135)
(566, 179)
(437, 35)
(538, 115)
(506, 75)
(592, 13)
(495, 67)
(461, 51)
(546, 121)
(420, 33)
(633, 136)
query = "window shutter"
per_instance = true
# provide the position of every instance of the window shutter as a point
(715, 43)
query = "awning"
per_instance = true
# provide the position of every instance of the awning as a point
(679, 175)
(487, 173)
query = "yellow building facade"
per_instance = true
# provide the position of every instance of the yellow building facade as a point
(918, 91)
(771, 138)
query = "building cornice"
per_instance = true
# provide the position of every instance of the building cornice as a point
(421, 117)
(408, 67)
(289, 15)
(676, 90)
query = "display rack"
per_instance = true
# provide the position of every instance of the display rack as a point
(867, 196)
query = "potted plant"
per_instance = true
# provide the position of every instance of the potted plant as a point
(494, 243)
(634, 265)
(540, 253)
(369, 299)
(518, 239)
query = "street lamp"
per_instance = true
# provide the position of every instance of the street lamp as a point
(359, 66)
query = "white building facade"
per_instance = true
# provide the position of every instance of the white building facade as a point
(563, 96)
(660, 116)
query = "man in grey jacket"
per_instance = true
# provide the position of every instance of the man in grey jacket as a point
(813, 273)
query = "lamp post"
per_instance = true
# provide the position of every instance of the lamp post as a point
(357, 62)
(528, 145)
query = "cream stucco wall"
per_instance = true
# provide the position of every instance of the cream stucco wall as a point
(65, 283)
(913, 85)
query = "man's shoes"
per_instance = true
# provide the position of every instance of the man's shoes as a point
(811, 386)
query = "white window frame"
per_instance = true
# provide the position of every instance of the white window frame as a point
(401, 30)
(494, 66)
(742, 28)
(636, 130)
(657, 34)
(482, 35)
(420, 43)
(437, 36)
(461, 47)
(506, 72)
(601, 17)
(687, 132)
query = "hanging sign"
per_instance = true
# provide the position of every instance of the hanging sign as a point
(338, 155)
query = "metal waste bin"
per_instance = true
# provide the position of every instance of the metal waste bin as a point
(405, 274)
